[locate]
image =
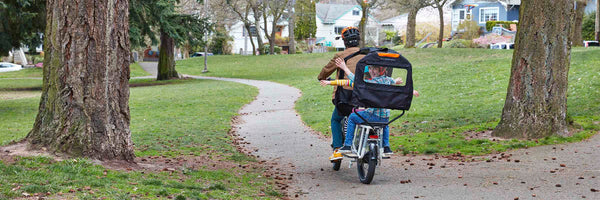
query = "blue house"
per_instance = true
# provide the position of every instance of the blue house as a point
(483, 11)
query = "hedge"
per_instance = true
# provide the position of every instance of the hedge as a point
(490, 24)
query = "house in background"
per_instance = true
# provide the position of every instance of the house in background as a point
(428, 15)
(241, 42)
(483, 11)
(333, 18)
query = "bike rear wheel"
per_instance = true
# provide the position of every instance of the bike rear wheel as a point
(366, 165)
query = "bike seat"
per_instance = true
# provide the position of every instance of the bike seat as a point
(375, 124)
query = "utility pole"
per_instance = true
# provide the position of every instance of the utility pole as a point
(206, 37)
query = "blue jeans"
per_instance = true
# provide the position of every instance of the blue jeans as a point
(354, 119)
(336, 129)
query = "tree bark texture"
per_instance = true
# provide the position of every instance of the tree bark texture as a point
(166, 58)
(84, 108)
(411, 28)
(577, 24)
(536, 103)
(441, 36)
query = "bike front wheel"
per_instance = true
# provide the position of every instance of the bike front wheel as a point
(337, 164)
(366, 165)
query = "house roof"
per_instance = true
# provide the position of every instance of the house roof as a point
(328, 13)
(513, 2)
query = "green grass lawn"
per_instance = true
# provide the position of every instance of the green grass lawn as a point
(181, 118)
(461, 90)
(136, 70)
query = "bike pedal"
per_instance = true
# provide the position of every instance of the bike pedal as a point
(386, 157)
(351, 155)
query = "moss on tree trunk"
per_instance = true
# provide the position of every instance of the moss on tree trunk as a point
(536, 103)
(84, 109)
(166, 58)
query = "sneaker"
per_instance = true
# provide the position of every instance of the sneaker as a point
(336, 156)
(345, 149)
(387, 151)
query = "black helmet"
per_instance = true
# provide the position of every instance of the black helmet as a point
(351, 36)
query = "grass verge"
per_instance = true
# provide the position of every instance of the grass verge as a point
(168, 121)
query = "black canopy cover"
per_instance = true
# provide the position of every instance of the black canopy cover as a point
(373, 95)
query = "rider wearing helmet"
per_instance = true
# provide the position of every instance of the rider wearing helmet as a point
(351, 37)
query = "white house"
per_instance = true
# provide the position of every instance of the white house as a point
(332, 18)
(428, 15)
(241, 42)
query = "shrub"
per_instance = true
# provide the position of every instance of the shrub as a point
(588, 27)
(470, 30)
(276, 49)
(220, 43)
(490, 24)
(456, 43)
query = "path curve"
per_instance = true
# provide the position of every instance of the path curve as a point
(271, 125)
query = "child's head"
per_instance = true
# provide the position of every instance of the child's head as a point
(376, 71)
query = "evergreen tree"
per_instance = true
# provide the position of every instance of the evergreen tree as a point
(174, 28)
(306, 25)
(21, 22)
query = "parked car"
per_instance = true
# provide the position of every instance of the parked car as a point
(200, 54)
(7, 67)
(591, 43)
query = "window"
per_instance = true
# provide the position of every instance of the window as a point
(385, 75)
(488, 14)
(252, 30)
(461, 15)
(338, 30)
(356, 11)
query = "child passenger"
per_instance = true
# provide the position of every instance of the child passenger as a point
(370, 114)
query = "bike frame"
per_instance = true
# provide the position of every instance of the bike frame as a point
(361, 142)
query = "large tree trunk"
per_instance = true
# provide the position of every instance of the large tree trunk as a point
(536, 103)
(577, 24)
(411, 28)
(84, 108)
(166, 58)
(441, 36)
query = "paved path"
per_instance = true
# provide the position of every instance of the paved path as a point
(271, 125)
(150, 67)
